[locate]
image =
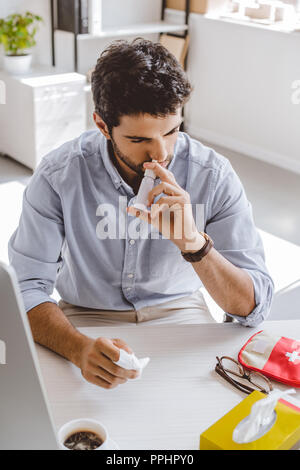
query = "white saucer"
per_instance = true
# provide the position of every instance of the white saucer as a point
(112, 445)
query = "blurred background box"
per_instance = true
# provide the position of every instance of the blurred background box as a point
(43, 110)
(199, 6)
(176, 45)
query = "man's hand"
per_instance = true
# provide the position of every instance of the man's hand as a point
(97, 364)
(172, 214)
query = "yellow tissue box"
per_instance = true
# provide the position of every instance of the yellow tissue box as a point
(284, 434)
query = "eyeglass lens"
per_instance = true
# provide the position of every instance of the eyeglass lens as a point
(235, 370)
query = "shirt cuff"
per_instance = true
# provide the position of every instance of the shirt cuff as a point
(32, 298)
(263, 291)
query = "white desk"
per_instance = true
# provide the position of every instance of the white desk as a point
(179, 394)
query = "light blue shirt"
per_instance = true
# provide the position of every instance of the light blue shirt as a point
(76, 195)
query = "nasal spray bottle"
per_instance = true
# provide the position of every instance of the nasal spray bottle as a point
(144, 189)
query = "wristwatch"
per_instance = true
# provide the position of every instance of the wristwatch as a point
(193, 257)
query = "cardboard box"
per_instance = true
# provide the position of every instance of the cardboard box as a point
(198, 6)
(177, 46)
(284, 434)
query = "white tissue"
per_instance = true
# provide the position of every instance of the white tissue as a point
(130, 361)
(261, 418)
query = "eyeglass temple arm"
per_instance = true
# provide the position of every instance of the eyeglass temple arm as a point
(238, 385)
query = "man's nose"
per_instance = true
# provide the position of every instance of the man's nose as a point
(159, 153)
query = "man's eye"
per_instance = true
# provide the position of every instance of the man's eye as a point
(174, 131)
(138, 141)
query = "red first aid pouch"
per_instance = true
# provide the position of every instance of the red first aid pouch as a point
(276, 357)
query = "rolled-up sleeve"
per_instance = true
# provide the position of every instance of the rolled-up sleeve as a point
(235, 236)
(34, 248)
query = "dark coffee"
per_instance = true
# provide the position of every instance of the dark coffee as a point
(83, 440)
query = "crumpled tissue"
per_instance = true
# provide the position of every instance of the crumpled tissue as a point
(130, 361)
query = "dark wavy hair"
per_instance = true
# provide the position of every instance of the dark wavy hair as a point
(141, 77)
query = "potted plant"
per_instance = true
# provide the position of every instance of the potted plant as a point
(17, 34)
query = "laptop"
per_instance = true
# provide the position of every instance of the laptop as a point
(25, 418)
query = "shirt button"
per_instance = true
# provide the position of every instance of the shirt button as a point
(130, 276)
(132, 242)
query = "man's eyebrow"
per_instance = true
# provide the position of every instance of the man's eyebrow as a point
(149, 138)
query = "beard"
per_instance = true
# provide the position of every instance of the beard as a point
(138, 169)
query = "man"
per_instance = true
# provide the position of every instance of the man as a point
(79, 228)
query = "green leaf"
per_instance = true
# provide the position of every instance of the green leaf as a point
(17, 32)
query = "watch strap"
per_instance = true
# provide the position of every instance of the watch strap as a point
(194, 257)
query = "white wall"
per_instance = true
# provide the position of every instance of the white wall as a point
(242, 77)
(42, 51)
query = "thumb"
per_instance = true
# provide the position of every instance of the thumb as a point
(122, 345)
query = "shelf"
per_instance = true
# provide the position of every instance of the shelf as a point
(136, 29)
(279, 26)
(175, 28)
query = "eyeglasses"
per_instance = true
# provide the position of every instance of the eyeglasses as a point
(227, 367)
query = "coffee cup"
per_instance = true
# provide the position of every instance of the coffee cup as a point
(83, 425)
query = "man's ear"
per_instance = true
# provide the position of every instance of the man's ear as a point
(101, 125)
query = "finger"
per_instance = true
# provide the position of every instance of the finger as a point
(157, 209)
(162, 173)
(103, 374)
(121, 344)
(97, 381)
(176, 202)
(116, 370)
(105, 346)
(170, 202)
(166, 188)
(144, 216)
